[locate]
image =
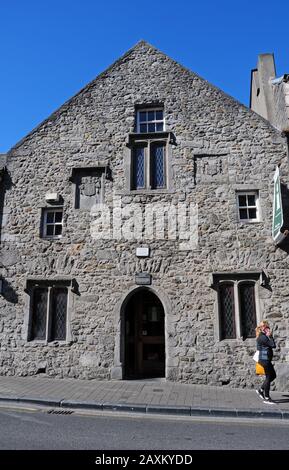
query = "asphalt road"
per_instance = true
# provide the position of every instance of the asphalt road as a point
(39, 429)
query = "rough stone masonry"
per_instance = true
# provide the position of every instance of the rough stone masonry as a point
(215, 149)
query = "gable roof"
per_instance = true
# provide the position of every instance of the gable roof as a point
(142, 44)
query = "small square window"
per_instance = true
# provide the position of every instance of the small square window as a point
(151, 116)
(150, 120)
(248, 206)
(52, 223)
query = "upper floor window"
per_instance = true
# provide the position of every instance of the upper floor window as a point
(150, 120)
(52, 222)
(149, 165)
(248, 206)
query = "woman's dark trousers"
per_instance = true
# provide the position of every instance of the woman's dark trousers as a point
(270, 376)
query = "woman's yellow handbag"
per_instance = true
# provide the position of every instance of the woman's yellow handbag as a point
(259, 369)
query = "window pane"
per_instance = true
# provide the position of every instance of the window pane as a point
(58, 229)
(58, 312)
(39, 311)
(49, 230)
(248, 310)
(151, 116)
(159, 115)
(157, 166)
(227, 311)
(159, 126)
(251, 200)
(143, 128)
(58, 216)
(151, 127)
(242, 201)
(139, 167)
(243, 213)
(50, 217)
(142, 116)
(252, 214)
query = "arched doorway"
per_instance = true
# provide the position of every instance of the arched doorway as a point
(144, 336)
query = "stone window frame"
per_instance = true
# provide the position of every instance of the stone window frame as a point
(31, 284)
(258, 279)
(244, 192)
(147, 140)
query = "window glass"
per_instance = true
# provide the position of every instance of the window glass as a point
(248, 310)
(58, 312)
(228, 330)
(243, 213)
(58, 216)
(251, 200)
(159, 115)
(39, 312)
(142, 116)
(242, 201)
(50, 217)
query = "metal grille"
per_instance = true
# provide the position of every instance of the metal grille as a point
(59, 412)
(248, 310)
(39, 312)
(228, 328)
(139, 167)
(157, 162)
(58, 312)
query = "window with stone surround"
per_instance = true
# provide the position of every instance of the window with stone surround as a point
(149, 165)
(248, 206)
(48, 313)
(52, 222)
(49, 308)
(150, 120)
(237, 304)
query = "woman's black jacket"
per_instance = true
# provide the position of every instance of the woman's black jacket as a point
(265, 345)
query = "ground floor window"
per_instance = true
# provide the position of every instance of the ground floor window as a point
(48, 313)
(237, 305)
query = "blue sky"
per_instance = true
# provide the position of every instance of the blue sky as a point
(50, 49)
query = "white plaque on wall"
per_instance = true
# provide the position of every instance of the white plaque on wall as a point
(142, 251)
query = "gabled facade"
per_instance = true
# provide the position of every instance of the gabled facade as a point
(136, 233)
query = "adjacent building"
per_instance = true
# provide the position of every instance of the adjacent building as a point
(136, 233)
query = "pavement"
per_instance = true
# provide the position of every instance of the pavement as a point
(142, 396)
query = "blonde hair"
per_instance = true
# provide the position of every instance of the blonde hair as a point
(262, 324)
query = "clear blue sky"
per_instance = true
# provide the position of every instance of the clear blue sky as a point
(50, 49)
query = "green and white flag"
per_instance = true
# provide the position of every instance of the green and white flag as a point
(277, 225)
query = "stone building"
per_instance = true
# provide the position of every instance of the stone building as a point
(136, 233)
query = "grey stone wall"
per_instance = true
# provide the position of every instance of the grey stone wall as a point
(93, 126)
(281, 105)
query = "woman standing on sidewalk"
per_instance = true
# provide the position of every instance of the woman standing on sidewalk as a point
(265, 344)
